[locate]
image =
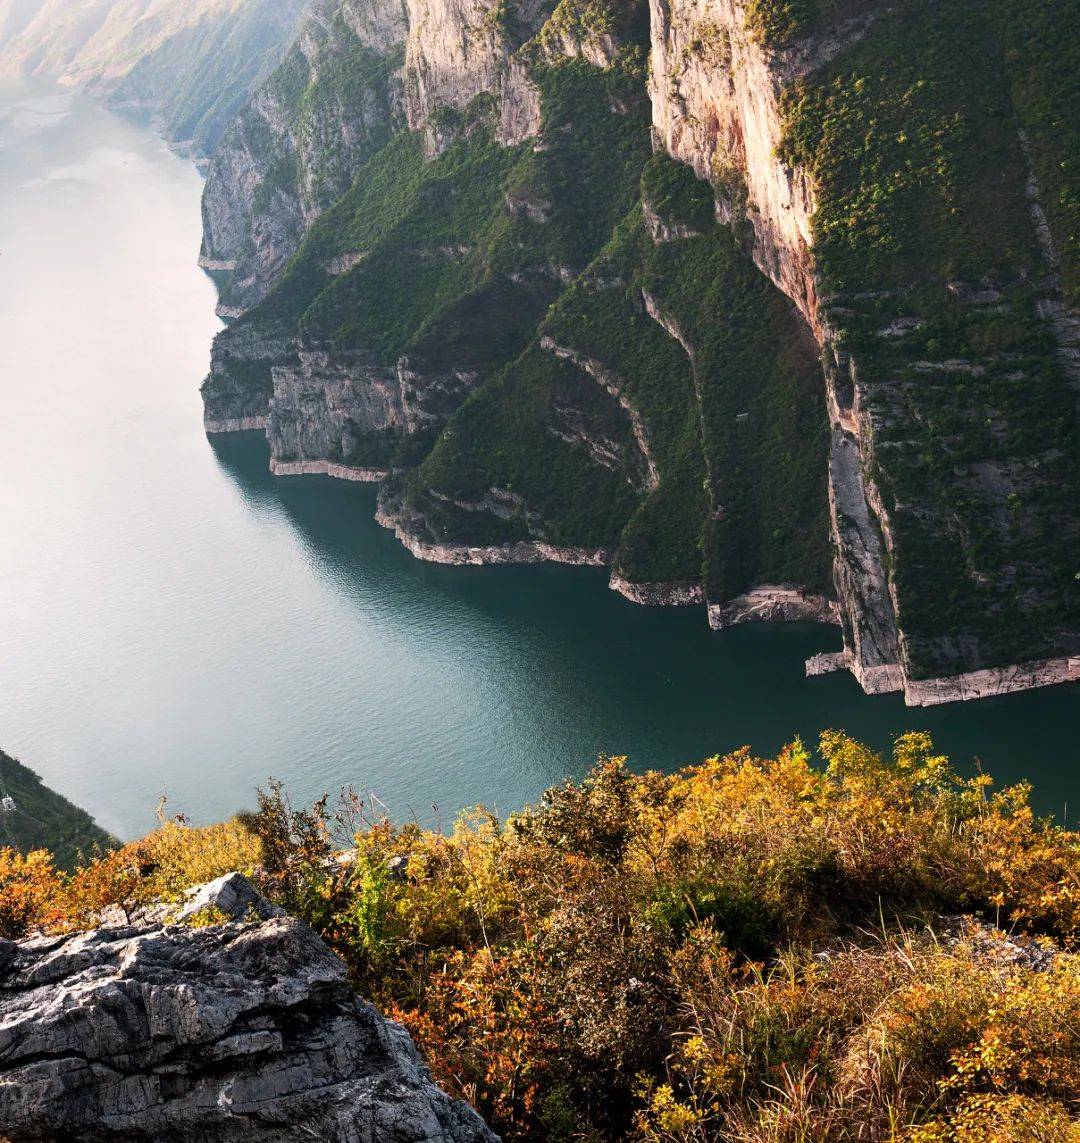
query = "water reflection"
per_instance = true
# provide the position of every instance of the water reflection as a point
(594, 673)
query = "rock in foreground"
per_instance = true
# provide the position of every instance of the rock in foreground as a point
(245, 1030)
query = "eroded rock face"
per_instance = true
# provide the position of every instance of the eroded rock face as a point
(243, 1030)
(321, 404)
(716, 98)
(236, 394)
(457, 49)
(285, 159)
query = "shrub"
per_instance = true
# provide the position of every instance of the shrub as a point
(749, 949)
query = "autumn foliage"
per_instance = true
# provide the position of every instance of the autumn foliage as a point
(757, 950)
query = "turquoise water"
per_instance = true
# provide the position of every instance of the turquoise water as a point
(174, 620)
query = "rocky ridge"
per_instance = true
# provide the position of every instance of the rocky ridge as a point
(217, 1020)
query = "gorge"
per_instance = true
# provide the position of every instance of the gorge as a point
(494, 259)
(630, 433)
(180, 621)
(735, 299)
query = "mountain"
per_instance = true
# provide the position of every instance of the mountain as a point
(191, 62)
(40, 818)
(769, 307)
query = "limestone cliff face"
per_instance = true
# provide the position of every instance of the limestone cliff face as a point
(247, 1029)
(236, 394)
(321, 404)
(457, 49)
(277, 170)
(716, 92)
(359, 71)
(716, 97)
(299, 142)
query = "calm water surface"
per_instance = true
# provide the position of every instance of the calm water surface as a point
(172, 619)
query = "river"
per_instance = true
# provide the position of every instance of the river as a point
(173, 620)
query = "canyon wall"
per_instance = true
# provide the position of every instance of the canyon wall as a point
(297, 145)
(594, 353)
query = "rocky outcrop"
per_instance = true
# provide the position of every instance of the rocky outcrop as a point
(390, 515)
(995, 681)
(773, 603)
(245, 1028)
(328, 468)
(661, 231)
(715, 94)
(457, 49)
(612, 385)
(1063, 319)
(236, 394)
(321, 404)
(680, 594)
(867, 612)
(324, 404)
(234, 424)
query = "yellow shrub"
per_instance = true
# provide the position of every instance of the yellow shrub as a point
(29, 886)
(748, 949)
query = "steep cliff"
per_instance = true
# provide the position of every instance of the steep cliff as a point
(868, 162)
(430, 282)
(297, 145)
(846, 334)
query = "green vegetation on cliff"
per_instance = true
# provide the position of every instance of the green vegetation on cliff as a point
(44, 819)
(735, 420)
(489, 261)
(1041, 43)
(763, 950)
(933, 275)
(585, 357)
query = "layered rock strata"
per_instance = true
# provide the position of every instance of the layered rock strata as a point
(243, 1028)
(456, 554)
(773, 603)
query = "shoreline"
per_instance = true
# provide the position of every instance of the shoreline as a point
(968, 686)
(327, 468)
(765, 603)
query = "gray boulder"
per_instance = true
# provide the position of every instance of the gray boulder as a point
(243, 1030)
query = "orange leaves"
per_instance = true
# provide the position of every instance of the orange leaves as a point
(159, 867)
(29, 886)
(725, 952)
(486, 1031)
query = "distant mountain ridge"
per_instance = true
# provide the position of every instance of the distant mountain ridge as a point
(191, 62)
